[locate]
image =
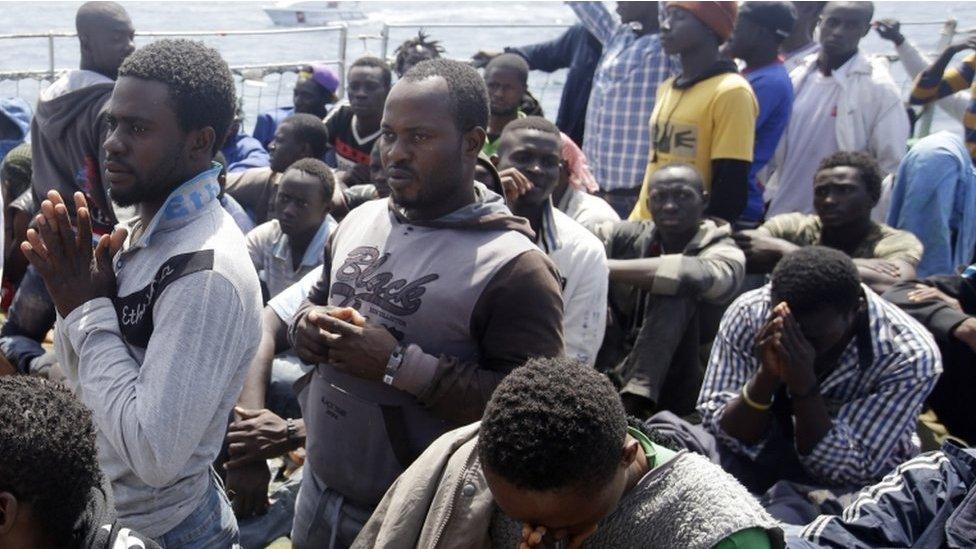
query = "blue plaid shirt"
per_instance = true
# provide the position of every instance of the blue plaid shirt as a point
(618, 134)
(874, 408)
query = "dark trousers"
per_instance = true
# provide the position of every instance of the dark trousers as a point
(776, 476)
(622, 201)
(664, 366)
(951, 399)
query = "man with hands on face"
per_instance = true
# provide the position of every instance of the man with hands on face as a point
(157, 325)
(530, 164)
(813, 379)
(428, 299)
(846, 187)
(556, 462)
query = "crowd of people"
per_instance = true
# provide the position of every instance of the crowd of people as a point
(724, 300)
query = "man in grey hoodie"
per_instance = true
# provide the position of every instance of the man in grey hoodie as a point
(156, 339)
(68, 129)
(66, 138)
(427, 300)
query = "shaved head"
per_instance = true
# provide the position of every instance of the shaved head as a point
(678, 173)
(94, 16)
(105, 33)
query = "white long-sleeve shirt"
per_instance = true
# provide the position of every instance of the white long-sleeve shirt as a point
(582, 263)
(162, 364)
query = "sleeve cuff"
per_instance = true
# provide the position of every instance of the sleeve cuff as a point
(417, 371)
(945, 321)
(96, 314)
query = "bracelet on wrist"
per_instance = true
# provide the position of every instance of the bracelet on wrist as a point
(292, 430)
(752, 403)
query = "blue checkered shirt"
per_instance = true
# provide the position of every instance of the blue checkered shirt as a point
(617, 137)
(873, 408)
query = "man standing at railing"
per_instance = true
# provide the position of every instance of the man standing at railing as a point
(67, 132)
(66, 138)
(633, 65)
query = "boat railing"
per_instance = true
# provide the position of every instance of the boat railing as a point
(388, 27)
(245, 70)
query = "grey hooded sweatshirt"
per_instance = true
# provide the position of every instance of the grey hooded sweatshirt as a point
(468, 295)
(66, 143)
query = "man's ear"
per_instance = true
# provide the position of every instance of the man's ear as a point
(8, 512)
(630, 452)
(473, 140)
(202, 141)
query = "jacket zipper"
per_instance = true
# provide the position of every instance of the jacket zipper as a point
(454, 493)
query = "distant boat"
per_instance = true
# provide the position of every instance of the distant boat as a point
(290, 14)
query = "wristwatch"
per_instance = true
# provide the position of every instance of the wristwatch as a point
(393, 364)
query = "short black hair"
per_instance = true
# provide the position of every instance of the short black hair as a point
(309, 129)
(469, 95)
(867, 7)
(776, 16)
(419, 42)
(864, 163)
(815, 277)
(370, 61)
(319, 170)
(697, 182)
(200, 84)
(551, 424)
(537, 123)
(47, 452)
(91, 15)
(512, 62)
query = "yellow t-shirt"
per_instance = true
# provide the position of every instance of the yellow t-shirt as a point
(713, 119)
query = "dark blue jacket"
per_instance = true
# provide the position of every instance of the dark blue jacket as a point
(579, 51)
(928, 501)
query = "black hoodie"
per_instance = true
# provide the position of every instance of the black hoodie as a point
(98, 527)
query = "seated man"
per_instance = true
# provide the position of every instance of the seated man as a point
(530, 160)
(414, 50)
(671, 279)
(313, 92)
(284, 249)
(927, 501)
(556, 461)
(353, 129)
(52, 493)
(572, 193)
(15, 176)
(299, 136)
(507, 79)
(352, 197)
(934, 198)
(946, 305)
(242, 151)
(845, 189)
(813, 379)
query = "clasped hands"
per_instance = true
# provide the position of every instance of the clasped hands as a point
(73, 271)
(343, 338)
(785, 353)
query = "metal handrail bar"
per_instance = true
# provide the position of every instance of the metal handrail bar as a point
(255, 32)
(385, 31)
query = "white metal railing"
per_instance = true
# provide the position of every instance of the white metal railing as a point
(254, 69)
(387, 27)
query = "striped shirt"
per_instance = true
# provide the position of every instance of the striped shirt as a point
(873, 408)
(618, 137)
(932, 87)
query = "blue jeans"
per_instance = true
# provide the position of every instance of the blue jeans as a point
(281, 398)
(211, 525)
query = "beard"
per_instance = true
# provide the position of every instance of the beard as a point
(153, 185)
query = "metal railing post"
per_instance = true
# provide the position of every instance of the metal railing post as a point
(343, 34)
(384, 40)
(50, 54)
(928, 112)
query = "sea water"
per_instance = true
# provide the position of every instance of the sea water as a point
(364, 38)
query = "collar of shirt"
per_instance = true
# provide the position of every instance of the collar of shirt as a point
(548, 237)
(184, 204)
(313, 252)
